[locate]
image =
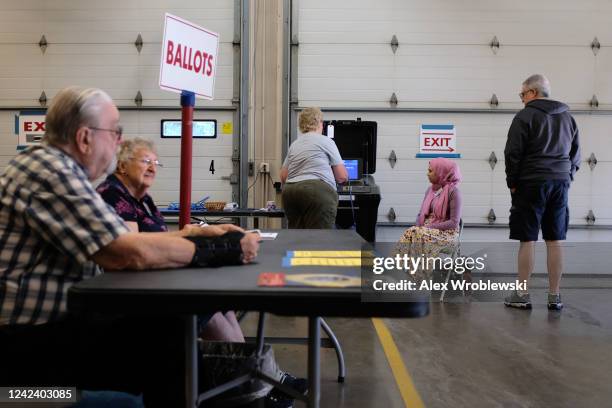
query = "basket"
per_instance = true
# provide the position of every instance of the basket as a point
(215, 205)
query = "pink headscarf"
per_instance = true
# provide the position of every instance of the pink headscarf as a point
(448, 176)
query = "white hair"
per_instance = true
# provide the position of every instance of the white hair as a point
(538, 83)
(130, 146)
(71, 108)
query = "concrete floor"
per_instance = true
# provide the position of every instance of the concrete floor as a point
(472, 351)
(498, 234)
(475, 353)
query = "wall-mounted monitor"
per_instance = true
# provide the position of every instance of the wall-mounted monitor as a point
(202, 128)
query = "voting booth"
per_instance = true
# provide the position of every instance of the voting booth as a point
(359, 198)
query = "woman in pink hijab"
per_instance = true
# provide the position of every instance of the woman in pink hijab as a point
(437, 225)
(441, 207)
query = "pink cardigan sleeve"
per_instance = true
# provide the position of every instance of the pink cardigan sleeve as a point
(454, 212)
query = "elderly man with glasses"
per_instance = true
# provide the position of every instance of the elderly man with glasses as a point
(56, 230)
(542, 155)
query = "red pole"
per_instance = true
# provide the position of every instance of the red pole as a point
(187, 104)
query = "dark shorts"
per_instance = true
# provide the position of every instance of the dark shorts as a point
(540, 204)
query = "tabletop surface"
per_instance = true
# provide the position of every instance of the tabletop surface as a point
(238, 212)
(201, 290)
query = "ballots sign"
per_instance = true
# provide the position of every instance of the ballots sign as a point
(188, 58)
(438, 141)
(30, 129)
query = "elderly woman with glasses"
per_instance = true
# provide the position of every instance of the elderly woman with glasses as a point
(126, 190)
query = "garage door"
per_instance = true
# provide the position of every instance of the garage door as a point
(94, 44)
(404, 64)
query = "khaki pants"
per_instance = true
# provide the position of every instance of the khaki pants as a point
(310, 204)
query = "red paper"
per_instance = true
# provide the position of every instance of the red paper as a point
(271, 279)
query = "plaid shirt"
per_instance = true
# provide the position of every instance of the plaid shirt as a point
(51, 222)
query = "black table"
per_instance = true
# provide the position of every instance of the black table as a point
(256, 213)
(192, 291)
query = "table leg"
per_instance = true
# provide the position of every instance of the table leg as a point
(260, 333)
(339, 354)
(191, 361)
(314, 369)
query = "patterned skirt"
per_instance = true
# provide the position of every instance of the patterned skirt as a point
(427, 243)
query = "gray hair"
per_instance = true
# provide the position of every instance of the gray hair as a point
(309, 119)
(70, 109)
(129, 146)
(538, 83)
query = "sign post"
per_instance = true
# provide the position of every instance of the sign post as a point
(188, 66)
(187, 104)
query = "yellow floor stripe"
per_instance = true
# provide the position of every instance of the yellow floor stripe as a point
(411, 397)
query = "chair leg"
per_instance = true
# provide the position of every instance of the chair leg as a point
(241, 314)
(338, 348)
(260, 333)
(448, 274)
(455, 255)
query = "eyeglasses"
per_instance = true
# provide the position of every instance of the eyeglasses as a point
(118, 132)
(523, 93)
(148, 162)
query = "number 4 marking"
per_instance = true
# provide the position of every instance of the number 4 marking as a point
(212, 167)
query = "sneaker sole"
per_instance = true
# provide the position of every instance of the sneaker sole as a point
(526, 306)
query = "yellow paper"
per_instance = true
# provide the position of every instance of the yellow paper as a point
(227, 128)
(325, 280)
(327, 254)
(325, 261)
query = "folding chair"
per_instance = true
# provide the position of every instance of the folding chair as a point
(330, 342)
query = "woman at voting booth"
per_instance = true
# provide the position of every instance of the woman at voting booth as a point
(310, 172)
(437, 224)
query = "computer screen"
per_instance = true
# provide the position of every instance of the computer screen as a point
(354, 167)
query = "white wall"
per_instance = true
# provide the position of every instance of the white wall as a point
(444, 61)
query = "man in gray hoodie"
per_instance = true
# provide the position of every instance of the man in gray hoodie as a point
(542, 155)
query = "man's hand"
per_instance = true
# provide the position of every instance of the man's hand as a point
(249, 245)
(194, 230)
(229, 227)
